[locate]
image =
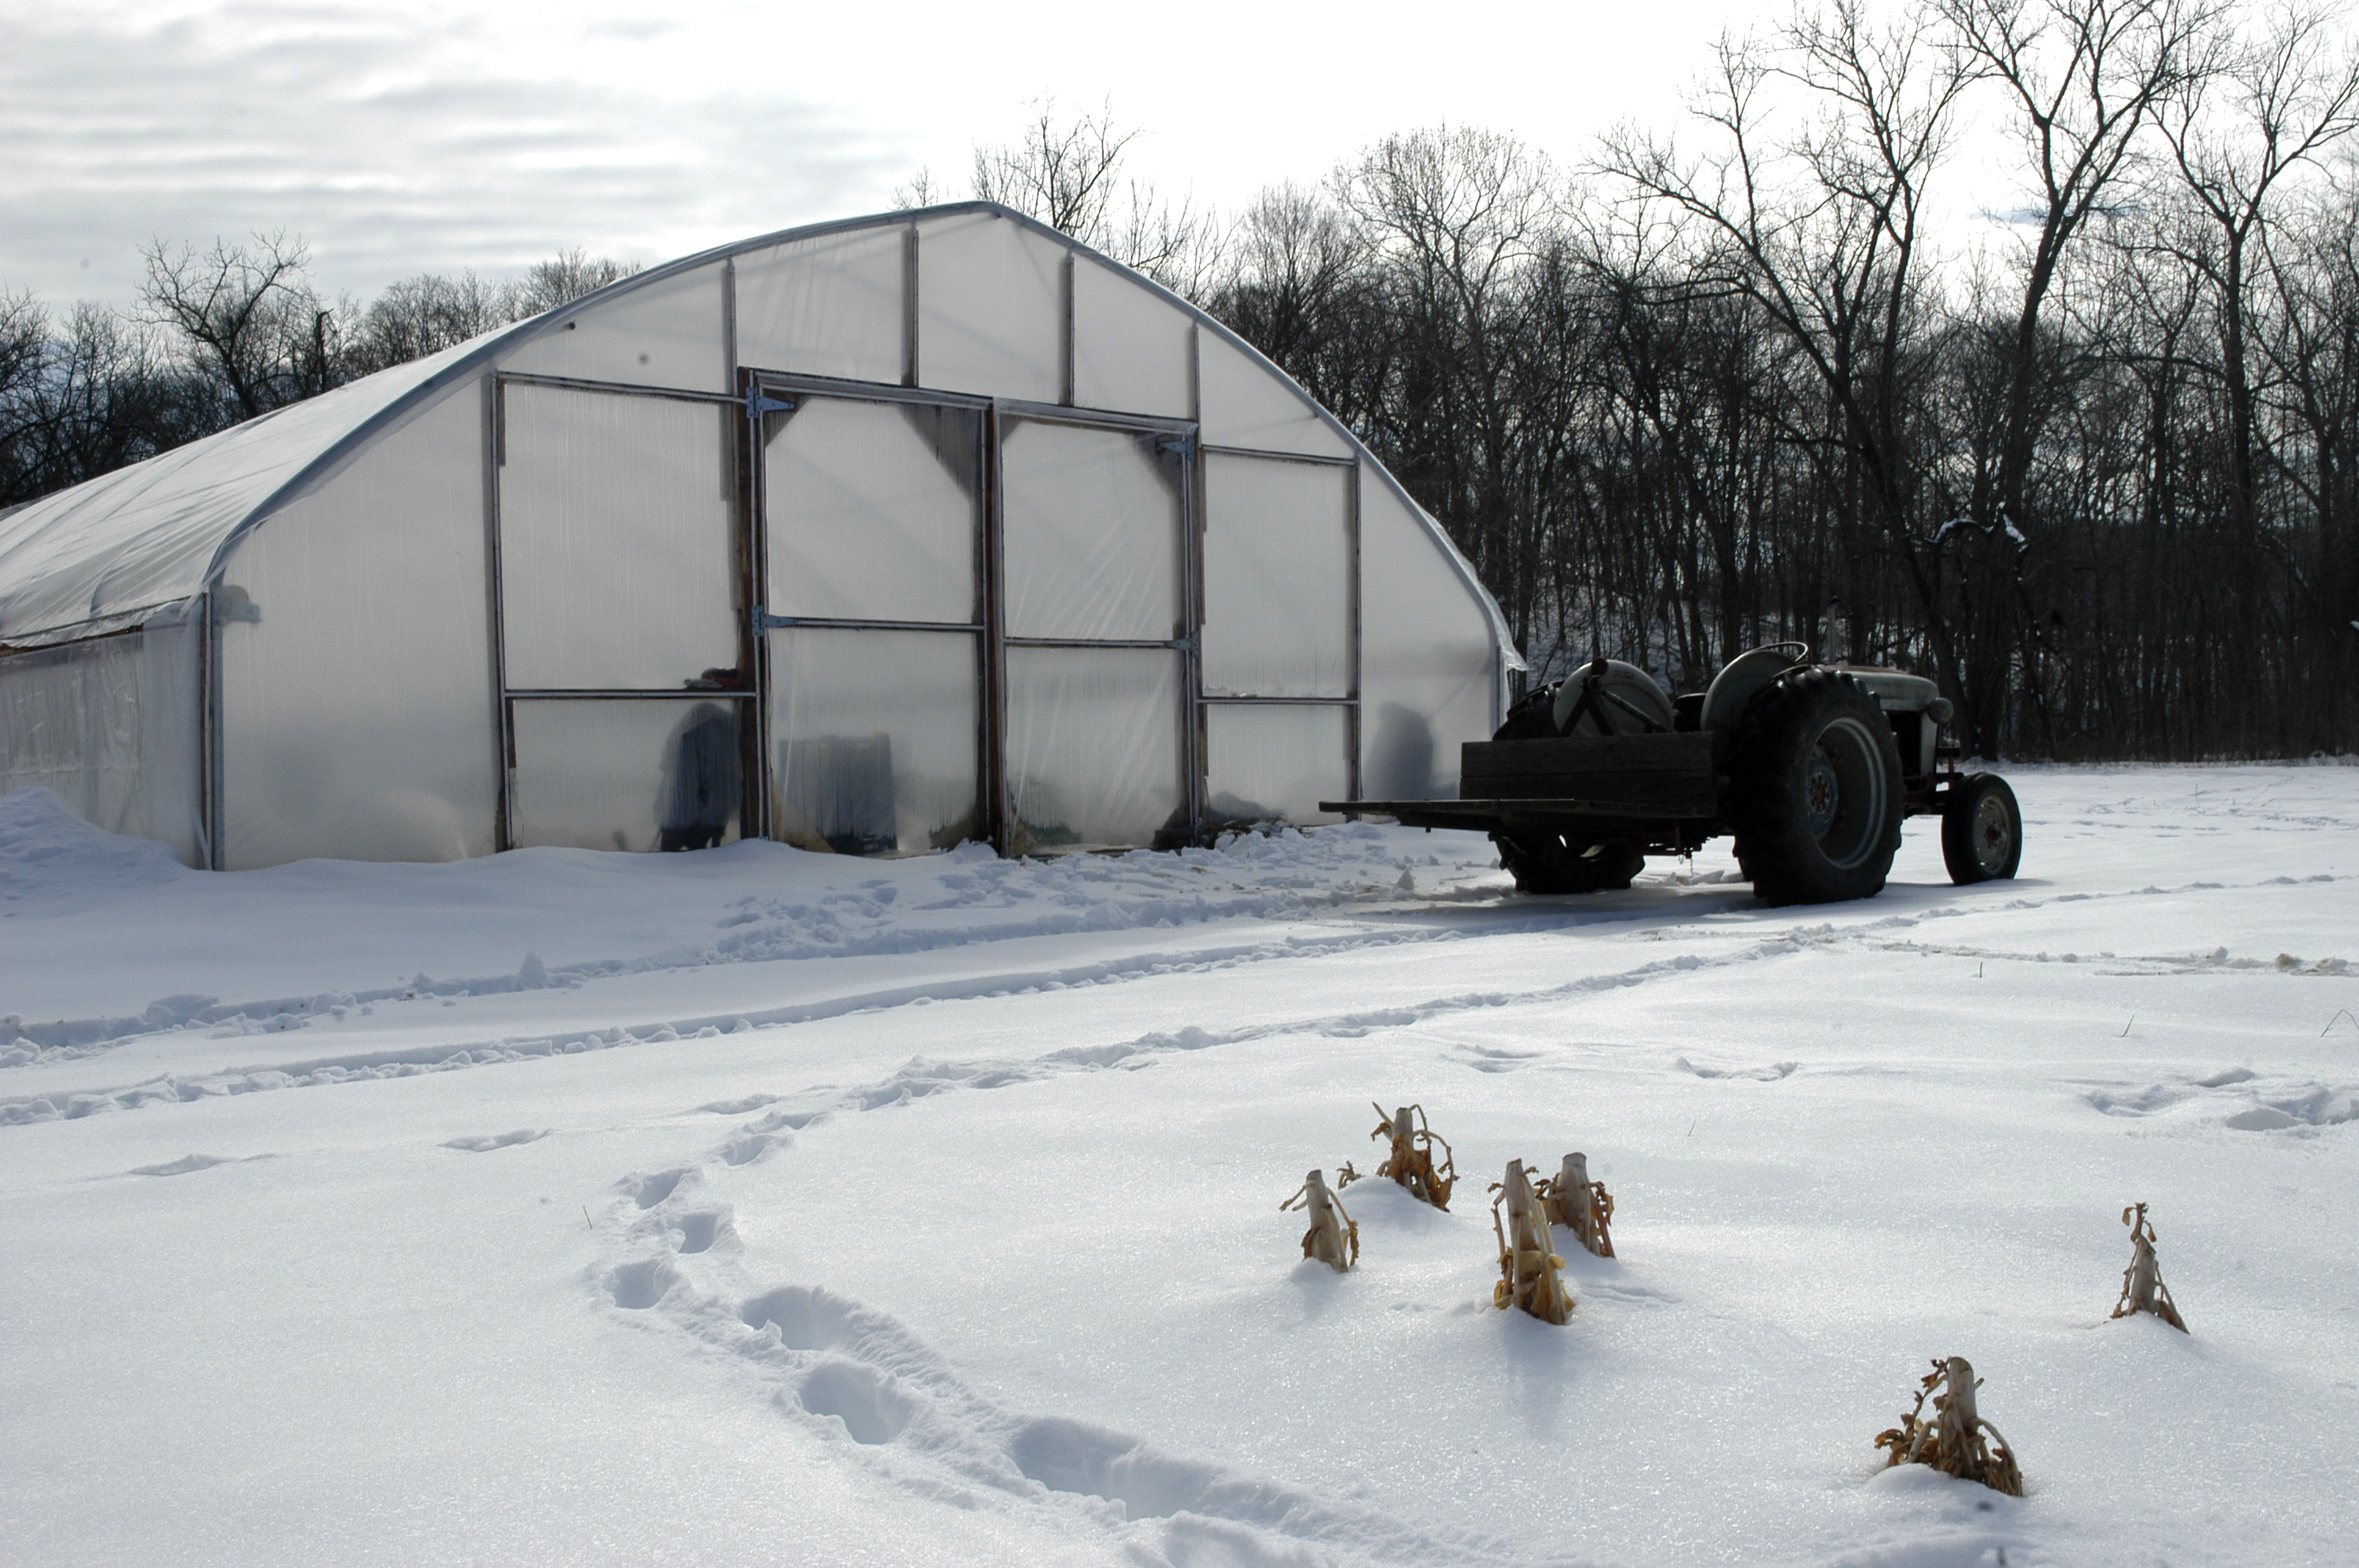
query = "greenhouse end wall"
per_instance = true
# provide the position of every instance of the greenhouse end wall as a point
(355, 717)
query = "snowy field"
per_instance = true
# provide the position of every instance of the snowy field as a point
(752, 1205)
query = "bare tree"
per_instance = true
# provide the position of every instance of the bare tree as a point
(247, 314)
(1063, 172)
(1454, 216)
(1295, 286)
(23, 324)
(24, 329)
(1821, 229)
(2312, 348)
(1748, 397)
(2281, 100)
(2083, 80)
(23, 335)
(1180, 246)
(923, 190)
(564, 279)
(89, 397)
(426, 314)
(1067, 174)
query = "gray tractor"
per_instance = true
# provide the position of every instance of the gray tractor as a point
(1811, 767)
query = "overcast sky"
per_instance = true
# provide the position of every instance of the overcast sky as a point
(489, 138)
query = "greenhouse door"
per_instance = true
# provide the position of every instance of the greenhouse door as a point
(624, 687)
(976, 623)
(873, 526)
(1095, 634)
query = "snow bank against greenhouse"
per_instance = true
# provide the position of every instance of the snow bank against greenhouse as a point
(299, 945)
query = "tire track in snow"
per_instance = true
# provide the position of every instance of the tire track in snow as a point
(23, 1043)
(72, 1039)
(411, 1061)
(921, 1076)
(2216, 961)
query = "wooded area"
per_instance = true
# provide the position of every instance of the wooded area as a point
(219, 336)
(2094, 464)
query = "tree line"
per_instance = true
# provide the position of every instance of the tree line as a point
(221, 335)
(2092, 462)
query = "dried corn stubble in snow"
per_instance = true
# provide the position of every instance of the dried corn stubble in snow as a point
(1951, 1441)
(1335, 1236)
(2142, 1286)
(1530, 1273)
(1411, 1160)
(1580, 1205)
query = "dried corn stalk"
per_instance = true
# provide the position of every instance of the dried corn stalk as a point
(2142, 1286)
(1580, 1205)
(1529, 1268)
(1951, 1441)
(1411, 1161)
(1335, 1236)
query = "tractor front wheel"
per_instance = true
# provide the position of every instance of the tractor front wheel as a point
(1981, 830)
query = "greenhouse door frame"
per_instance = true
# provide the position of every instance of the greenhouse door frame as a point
(745, 696)
(762, 392)
(765, 393)
(1173, 438)
(1353, 632)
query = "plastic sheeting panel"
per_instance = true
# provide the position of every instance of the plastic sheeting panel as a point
(1428, 661)
(626, 773)
(872, 739)
(110, 725)
(1091, 524)
(614, 540)
(666, 332)
(1131, 347)
(990, 309)
(172, 732)
(1093, 748)
(1246, 402)
(356, 681)
(1277, 578)
(872, 510)
(829, 305)
(1267, 762)
(70, 722)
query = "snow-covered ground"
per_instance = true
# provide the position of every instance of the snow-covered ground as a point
(752, 1205)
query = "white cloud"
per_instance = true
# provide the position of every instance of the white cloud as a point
(393, 143)
(489, 136)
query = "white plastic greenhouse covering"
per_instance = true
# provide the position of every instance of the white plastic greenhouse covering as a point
(872, 537)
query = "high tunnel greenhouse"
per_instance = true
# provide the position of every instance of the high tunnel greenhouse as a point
(872, 537)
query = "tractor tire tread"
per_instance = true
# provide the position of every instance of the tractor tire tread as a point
(1768, 804)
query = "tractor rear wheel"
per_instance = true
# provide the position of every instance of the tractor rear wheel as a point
(1815, 791)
